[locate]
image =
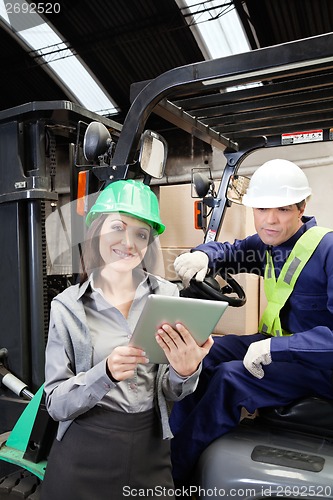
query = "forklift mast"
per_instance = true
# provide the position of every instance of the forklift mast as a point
(36, 140)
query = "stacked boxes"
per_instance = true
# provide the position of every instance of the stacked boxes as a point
(177, 212)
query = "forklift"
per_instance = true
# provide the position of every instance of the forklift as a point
(283, 453)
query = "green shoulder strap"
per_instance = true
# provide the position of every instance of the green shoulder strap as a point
(278, 291)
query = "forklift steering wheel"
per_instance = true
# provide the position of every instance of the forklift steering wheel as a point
(210, 289)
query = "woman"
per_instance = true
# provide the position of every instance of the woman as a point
(113, 436)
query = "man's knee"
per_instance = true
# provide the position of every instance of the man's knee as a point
(224, 349)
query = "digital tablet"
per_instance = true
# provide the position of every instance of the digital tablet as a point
(199, 316)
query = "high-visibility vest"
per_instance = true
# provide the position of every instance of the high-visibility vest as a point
(278, 291)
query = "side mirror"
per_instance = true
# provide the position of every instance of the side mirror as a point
(153, 154)
(237, 187)
(96, 142)
(202, 184)
(203, 187)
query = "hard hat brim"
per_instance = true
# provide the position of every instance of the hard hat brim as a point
(273, 201)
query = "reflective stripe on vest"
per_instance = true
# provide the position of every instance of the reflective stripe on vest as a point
(278, 291)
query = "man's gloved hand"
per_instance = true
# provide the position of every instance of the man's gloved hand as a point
(189, 264)
(258, 354)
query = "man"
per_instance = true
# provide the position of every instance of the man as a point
(292, 355)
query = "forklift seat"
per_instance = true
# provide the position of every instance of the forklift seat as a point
(311, 415)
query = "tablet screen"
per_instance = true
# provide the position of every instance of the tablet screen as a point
(199, 316)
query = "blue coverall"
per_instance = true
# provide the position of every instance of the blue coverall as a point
(302, 364)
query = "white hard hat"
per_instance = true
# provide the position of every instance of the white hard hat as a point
(277, 183)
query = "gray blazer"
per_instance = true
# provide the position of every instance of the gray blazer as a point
(68, 329)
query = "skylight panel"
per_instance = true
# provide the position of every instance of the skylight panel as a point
(47, 47)
(3, 12)
(216, 26)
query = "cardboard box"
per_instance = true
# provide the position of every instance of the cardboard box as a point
(242, 320)
(169, 256)
(237, 224)
(237, 320)
(177, 213)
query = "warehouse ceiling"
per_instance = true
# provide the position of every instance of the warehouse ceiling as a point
(122, 42)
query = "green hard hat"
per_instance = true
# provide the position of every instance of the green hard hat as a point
(129, 197)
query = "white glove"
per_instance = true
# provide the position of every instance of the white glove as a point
(188, 264)
(258, 354)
